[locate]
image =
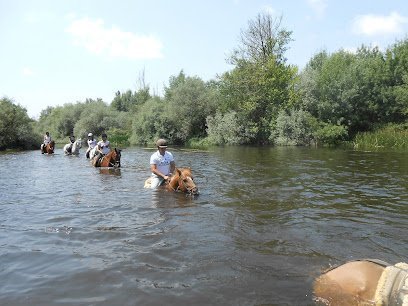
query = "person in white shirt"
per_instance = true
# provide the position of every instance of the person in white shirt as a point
(47, 140)
(103, 146)
(91, 144)
(162, 164)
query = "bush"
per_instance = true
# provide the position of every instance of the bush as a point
(225, 129)
(390, 136)
(331, 134)
(296, 128)
(16, 128)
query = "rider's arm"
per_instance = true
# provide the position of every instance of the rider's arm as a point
(98, 148)
(153, 168)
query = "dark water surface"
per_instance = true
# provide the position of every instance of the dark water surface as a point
(266, 223)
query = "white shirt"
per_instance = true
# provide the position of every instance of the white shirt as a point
(104, 145)
(91, 143)
(47, 139)
(162, 162)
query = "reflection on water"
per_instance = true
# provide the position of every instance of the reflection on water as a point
(266, 222)
(110, 171)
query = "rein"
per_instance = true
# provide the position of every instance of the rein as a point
(115, 160)
(181, 179)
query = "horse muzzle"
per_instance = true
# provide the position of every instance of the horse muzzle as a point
(194, 191)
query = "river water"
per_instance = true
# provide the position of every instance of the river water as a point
(266, 223)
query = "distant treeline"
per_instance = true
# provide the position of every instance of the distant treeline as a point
(336, 98)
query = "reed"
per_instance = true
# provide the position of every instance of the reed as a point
(391, 136)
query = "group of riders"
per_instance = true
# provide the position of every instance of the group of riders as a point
(162, 164)
(100, 148)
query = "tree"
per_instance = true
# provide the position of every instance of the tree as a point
(149, 123)
(129, 101)
(16, 129)
(261, 84)
(188, 103)
(356, 90)
(396, 60)
(264, 38)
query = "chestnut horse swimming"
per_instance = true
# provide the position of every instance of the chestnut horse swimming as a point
(48, 148)
(112, 159)
(181, 181)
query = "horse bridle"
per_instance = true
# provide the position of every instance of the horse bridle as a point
(181, 178)
(116, 162)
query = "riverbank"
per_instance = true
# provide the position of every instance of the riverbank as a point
(392, 137)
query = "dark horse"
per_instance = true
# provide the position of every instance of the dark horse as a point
(112, 159)
(181, 181)
(48, 148)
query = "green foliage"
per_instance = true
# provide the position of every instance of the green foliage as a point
(261, 100)
(118, 137)
(188, 103)
(16, 128)
(147, 125)
(225, 129)
(400, 93)
(296, 128)
(330, 134)
(261, 84)
(129, 101)
(98, 118)
(81, 118)
(257, 92)
(389, 136)
(396, 59)
(181, 115)
(359, 91)
(263, 39)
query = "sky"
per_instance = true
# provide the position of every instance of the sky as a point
(57, 52)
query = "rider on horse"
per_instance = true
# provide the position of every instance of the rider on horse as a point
(102, 148)
(72, 140)
(162, 164)
(91, 144)
(47, 140)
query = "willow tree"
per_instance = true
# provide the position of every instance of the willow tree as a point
(261, 84)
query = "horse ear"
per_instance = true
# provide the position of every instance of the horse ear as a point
(178, 171)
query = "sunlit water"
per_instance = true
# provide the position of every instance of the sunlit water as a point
(266, 223)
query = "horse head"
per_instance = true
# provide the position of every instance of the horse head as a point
(115, 158)
(183, 181)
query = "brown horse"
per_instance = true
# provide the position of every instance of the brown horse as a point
(48, 148)
(363, 282)
(112, 159)
(181, 181)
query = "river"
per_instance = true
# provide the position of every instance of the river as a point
(267, 221)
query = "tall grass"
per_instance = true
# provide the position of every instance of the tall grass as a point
(391, 136)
